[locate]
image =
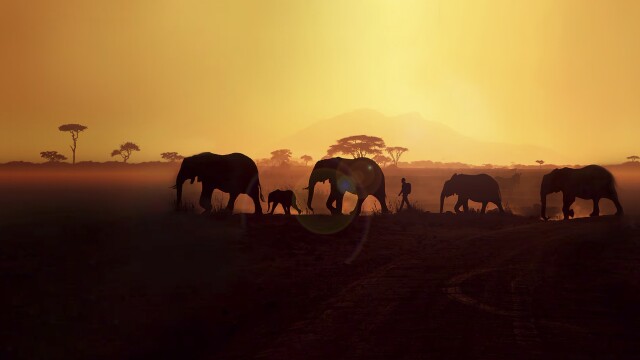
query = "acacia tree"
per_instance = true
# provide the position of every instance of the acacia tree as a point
(306, 159)
(52, 156)
(381, 159)
(171, 156)
(281, 156)
(75, 130)
(396, 152)
(633, 158)
(540, 162)
(357, 146)
(125, 150)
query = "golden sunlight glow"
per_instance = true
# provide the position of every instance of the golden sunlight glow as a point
(223, 76)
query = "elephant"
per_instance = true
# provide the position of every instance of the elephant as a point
(479, 188)
(360, 176)
(591, 182)
(233, 173)
(284, 197)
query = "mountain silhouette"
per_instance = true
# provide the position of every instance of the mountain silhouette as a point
(426, 140)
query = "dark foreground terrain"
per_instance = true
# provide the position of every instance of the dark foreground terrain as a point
(404, 286)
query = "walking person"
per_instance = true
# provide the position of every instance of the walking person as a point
(405, 191)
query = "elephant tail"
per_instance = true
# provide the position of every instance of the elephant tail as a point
(260, 189)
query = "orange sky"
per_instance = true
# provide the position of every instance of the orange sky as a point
(223, 76)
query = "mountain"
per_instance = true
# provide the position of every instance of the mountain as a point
(426, 140)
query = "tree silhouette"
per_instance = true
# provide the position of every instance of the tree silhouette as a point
(357, 146)
(540, 162)
(396, 152)
(125, 150)
(281, 156)
(75, 130)
(52, 156)
(382, 160)
(171, 156)
(633, 158)
(306, 159)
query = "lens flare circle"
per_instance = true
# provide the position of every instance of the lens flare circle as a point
(326, 224)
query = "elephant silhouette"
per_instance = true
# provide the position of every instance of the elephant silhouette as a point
(286, 198)
(591, 182)
(360, 176)
(233, 173)
(480, 188)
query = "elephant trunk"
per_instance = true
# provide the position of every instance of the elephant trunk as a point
(311, 187)
(313, 179)
(180, 179)
(442, 196)
(544, 190)
(178, 186)
(543, 206)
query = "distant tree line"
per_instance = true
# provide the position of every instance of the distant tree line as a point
(124, 151)
(355, 146)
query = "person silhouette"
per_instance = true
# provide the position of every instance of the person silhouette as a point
(405, 191)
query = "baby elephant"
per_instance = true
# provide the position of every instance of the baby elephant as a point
(285, 197)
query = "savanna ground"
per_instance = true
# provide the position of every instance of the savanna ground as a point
(96, 265)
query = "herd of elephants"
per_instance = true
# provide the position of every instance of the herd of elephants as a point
(237, 174)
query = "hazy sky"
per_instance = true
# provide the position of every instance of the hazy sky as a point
(223, 76)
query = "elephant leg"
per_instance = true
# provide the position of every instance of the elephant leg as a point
(383, 205)
(458, 204)
(499, 205)
(330, 200)
(273, 207)
(295, 206)
(255, 196)
(484, 207)
(339, 201)
(614, 197)
(567, 201)
(256, 203)
(358, 208)
(232, 201)
(465, 205)
(287, 209)
(596, 207)
(205, 198)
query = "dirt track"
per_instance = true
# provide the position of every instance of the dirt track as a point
(423, 286)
